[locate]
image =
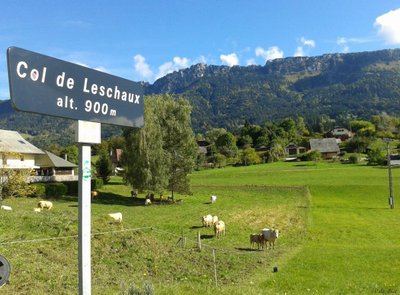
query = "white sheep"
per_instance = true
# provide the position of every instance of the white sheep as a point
(213, 199)
(207, 220)
(269, 236)
(6, 208)
(219, 229)
(37, 209)
(147, 202)
(214, 219)
(45, 205)
(116, 216)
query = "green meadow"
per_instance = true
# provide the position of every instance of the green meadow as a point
(337, 236)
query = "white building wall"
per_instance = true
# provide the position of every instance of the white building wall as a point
(18, 162)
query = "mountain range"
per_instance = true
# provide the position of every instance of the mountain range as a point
(342, 84)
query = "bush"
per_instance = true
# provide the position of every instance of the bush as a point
(97, 183)
(72, 187)
(39, 190)
(312, 156)
(56, 189)
(354, 159)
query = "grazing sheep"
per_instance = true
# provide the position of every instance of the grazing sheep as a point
(219, 229)
(147, 202)
(45, 205)
(257, 239)
(116, 216)
(213, 199)
(270, 235)
(93, 194)
(37, 209)
(6, 208)
(207, 220)
(214, 219)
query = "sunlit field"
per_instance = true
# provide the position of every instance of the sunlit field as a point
(338, 236)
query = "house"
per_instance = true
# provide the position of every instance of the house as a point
(294, 149)
(53, 168)
(341, 133)
(18, 153)
(328, 147)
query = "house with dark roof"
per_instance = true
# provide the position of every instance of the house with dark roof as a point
(339, 132)
(18, 153)
(328, 147)
(54, 168)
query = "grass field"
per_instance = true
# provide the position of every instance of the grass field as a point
(338, 236)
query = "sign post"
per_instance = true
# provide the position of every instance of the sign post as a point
(45, 85)
(86, 133)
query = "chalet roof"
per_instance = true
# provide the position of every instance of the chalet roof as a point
(51, 160)
(13, 142)
(324, 145)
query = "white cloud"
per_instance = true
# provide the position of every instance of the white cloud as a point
(343, 43)
(303, 48)
(299, 51)
(389, 26)
(272, 53)
(142, 68)
(176, 64)
(229, 59)
(307, 42)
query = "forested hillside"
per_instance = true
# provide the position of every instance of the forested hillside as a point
(356, 85)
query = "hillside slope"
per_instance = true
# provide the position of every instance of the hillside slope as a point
(353, 84)
(359, 84)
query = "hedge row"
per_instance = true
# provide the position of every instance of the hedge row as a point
(59, 189)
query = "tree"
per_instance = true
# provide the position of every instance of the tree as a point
(104, 166)
(14, 182)
(72, 153)
(226, 145)
(249, 157)
(163, 153)
(377, 153)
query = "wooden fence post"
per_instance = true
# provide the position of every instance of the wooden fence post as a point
(199, 241)
(215, 269)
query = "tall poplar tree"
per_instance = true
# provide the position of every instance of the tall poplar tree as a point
(163, 152)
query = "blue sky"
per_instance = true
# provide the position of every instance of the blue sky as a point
(144, 40)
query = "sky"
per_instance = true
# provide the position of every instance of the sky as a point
(145, 40)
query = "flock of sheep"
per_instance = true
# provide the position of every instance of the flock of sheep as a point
(266, 238)
(40, 206)
(49, 205)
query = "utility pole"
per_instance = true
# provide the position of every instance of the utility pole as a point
(391, 199)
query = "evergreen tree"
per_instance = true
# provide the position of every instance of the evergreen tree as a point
(104, 166)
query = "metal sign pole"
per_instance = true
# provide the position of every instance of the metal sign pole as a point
(84, 219)
(86, 133)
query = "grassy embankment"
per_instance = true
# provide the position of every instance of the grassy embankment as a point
(337, 236)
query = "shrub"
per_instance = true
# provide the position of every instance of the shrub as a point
(56, 189)
(39, 190)
(354, 159)
(72, 187)
(312, 156)
(97, 183)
